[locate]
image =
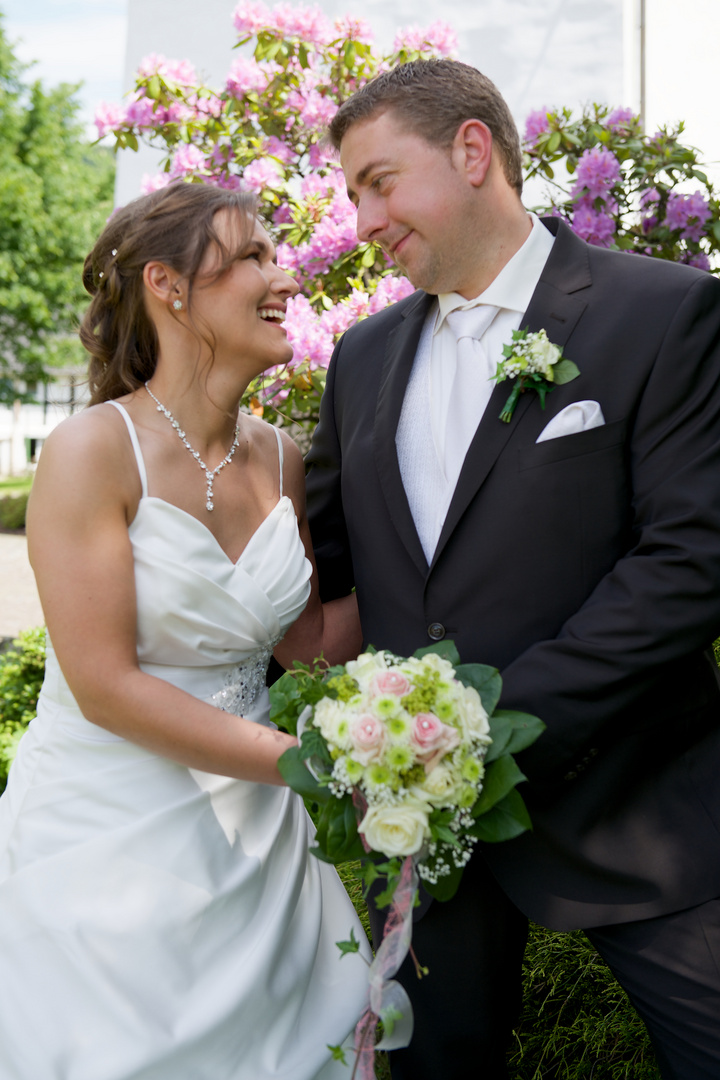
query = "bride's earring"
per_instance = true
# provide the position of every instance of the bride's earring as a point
(177, 304)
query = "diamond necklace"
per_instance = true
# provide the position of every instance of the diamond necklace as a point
(210, 474)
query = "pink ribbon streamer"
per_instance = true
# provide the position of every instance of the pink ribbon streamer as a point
(388, 999)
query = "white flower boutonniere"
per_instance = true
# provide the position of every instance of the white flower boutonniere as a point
(535, 364)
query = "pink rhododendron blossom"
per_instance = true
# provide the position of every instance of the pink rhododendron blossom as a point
(281, 150)
(536, 124)
(287, 257)
(189, 158)
(317, 111)
(389, 290)
(367, 734)
(141, 112)
(178, 71)
(246, 75)
(345, 314)
(220, 155)
(598, 171)
(688, 213)
(108, 117)
(310, 341)
(319, 155)
(262, 173)
(593, 225)
(298, 20)
(226, 180)
(620, 119)
(282, 214)
(249, 17)
(390, 682)
(351, 28)
(439, 37)
(154, 183)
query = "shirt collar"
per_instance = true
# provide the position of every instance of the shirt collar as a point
(513, 287)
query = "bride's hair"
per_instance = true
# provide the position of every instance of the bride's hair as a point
(173, 226)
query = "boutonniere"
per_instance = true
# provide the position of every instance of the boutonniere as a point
(535, 364)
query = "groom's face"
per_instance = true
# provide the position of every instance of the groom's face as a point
(412, 200)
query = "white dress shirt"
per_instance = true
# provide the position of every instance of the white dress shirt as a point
(427, 407)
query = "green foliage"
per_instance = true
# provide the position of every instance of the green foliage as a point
(655, 172)
(12, 511)
(55, 193)
(21, 674)
(576, 1023)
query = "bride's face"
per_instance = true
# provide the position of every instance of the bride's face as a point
(244, 307)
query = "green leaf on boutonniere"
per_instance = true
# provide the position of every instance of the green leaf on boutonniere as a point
(565, 371)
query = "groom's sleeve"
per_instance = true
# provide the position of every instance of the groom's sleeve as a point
(324, 497)
(634, 650)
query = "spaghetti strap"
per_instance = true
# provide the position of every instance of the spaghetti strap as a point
(136, 445)
(280, 457)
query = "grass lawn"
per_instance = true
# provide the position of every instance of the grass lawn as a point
(15, 485)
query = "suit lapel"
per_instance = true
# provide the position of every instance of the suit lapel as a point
(400, 352)
(553, 307)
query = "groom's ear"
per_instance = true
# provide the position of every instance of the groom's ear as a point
(472, 151)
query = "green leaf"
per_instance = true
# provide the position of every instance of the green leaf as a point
(337, 831)
(445, 887)
(553, 142)
(297, 776)
(565, 371)
(507, 819)
(153, 87)
(390, 1016)
(338, 1054)
(501, 776)
(369, 256)
(347, 947)
(522, 729)
(446, 649)
(485, 679)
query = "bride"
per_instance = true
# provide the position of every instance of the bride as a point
(161, 917)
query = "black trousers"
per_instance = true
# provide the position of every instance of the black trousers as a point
(466, 1008)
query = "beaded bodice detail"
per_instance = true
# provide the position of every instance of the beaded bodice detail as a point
(244, 683)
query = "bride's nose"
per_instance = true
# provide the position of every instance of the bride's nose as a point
(282, 284)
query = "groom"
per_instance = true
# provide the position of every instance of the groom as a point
(576, 548)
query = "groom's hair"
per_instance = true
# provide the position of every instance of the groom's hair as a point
(432, 98)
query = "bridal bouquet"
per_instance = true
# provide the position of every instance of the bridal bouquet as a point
(407, 763)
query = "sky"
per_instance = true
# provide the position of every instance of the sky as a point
(71, 40)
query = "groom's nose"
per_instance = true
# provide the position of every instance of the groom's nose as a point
(372, 219)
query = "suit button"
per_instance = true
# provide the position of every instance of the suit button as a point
(436, 631)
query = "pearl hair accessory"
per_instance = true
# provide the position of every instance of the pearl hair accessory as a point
(210, 474)
(177, 304)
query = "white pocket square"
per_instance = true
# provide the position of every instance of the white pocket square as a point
(580, 416)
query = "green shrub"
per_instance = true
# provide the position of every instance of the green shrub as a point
(22, 669)
(12, 511)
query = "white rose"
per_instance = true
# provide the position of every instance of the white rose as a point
(473, 716)
(333, 719)
(440, 787)
(544, 354)
(396, 830)
(365, 668)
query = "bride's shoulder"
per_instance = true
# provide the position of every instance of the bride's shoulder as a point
(90, 449)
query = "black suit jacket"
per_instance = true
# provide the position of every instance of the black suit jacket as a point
(586, 568)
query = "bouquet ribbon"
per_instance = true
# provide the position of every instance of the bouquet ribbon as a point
(388, 999)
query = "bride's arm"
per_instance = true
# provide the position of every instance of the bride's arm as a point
(331, 629)
(86, 490)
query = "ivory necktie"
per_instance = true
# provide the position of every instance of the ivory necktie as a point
(472, 386)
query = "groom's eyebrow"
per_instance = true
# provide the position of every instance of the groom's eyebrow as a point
(363, 175)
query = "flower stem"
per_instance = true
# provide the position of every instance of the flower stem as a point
(509, 408)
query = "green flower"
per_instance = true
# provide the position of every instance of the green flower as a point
(399, 757)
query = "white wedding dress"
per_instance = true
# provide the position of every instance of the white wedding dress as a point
(156, 922)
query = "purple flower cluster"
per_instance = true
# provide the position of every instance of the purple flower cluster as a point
(537, 123)
(597, 173)
(688, 213)
(621, 120)
(286, 20)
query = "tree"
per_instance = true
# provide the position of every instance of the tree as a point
(55, 193)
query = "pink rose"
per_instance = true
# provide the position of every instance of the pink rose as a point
(368, 738)
(391, 682)
(432, 739)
